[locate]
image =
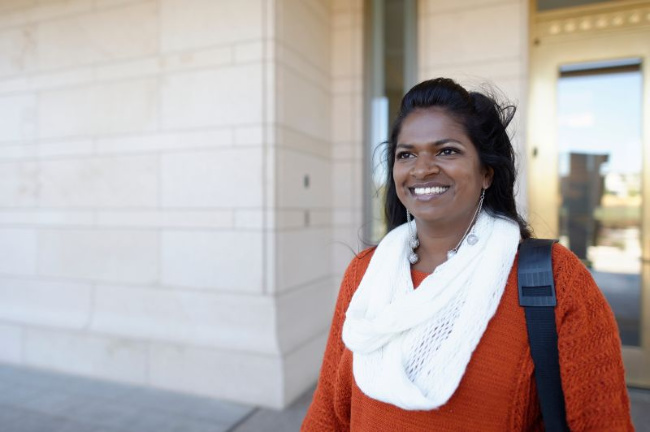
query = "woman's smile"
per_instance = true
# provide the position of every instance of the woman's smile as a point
(426, 192)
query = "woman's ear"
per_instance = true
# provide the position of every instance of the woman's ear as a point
(488, 175)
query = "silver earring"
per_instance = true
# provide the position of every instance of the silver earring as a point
(414, 243)
(472, 238)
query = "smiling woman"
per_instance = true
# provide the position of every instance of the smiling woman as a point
(428, 333)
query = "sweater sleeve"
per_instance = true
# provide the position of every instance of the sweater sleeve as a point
(591, 365)
(330, 407)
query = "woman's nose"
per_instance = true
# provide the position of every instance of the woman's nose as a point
(424, 166)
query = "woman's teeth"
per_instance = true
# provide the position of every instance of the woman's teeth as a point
(430, 190)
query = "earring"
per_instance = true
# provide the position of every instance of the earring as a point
(472, 238)
(414, 243)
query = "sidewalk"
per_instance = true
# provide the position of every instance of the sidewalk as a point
(39, 401)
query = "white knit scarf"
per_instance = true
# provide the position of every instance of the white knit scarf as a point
(411, 347)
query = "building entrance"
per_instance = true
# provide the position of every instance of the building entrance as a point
(589, 154)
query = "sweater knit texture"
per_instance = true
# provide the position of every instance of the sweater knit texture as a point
(498, 391)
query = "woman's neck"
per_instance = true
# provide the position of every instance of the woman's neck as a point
(433, 251)
(436, 242)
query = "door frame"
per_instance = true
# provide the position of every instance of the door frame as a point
(599, 32)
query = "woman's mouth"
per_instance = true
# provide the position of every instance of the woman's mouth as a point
(424, 193)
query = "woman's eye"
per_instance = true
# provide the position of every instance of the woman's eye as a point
(449, 151)
(403, 155)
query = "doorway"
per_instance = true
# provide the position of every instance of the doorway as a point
(589, 154)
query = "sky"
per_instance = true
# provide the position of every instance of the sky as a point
(601, 114)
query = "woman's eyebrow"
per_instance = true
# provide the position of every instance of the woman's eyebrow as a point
(443, 141)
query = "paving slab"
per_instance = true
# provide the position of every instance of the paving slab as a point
(287, 420)
(41, 401)
(640, 407)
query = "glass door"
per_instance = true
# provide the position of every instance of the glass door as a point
(600, 169)
(588, 148)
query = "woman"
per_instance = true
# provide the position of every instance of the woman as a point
(428, 333)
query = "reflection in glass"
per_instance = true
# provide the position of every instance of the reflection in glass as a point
(599, 145)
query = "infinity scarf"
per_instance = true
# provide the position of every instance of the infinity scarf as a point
(411, 346)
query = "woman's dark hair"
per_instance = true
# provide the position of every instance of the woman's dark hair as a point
(484, 121)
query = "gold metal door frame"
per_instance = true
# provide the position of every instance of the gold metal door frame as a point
(600, 32)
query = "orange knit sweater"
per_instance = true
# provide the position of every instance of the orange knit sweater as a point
(497, 392)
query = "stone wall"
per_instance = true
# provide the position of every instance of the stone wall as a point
(176, 179)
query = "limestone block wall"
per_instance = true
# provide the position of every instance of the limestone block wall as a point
(169, 190)
(303, 194)
(476, 42)
(347, 132)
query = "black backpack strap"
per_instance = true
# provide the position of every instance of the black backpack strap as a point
(537, 296)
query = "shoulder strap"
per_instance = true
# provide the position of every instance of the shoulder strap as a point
(537, 296)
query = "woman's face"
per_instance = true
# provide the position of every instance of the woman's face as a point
(437, 172)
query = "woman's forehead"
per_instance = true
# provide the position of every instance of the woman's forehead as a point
(430, 124)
